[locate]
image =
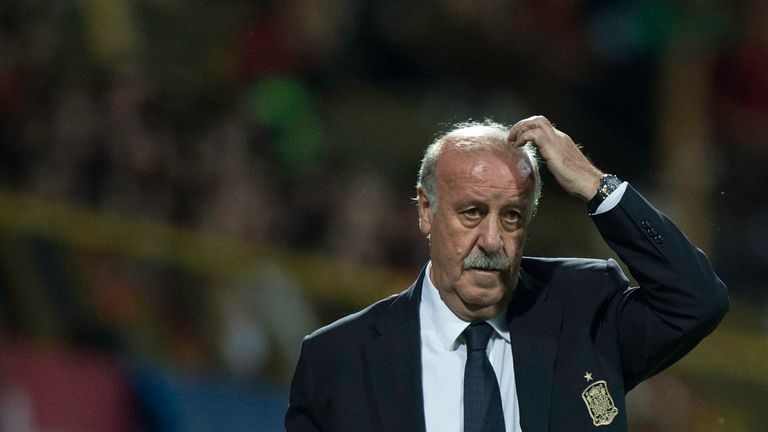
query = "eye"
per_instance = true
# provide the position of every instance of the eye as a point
(471, 213)
(512, 217)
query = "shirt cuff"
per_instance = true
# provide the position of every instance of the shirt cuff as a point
(611, 200)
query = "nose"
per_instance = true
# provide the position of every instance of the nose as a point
(489, 238)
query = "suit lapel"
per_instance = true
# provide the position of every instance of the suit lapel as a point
(394, 356)
(534, 325)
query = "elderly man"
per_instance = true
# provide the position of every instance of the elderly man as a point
(489, 340)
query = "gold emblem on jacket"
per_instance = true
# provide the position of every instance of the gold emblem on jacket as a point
(599, 403)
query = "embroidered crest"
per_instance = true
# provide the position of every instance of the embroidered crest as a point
(599, 403)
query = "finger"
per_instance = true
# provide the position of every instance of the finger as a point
(518, 129)
(534, 118)
(537, 136)
(532, 122)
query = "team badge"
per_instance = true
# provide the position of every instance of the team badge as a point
(599, 403)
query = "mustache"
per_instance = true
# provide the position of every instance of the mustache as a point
(480, 260)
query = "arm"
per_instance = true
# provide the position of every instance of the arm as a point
(300, 417)
(680, 299)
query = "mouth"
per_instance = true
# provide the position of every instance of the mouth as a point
(483, 270)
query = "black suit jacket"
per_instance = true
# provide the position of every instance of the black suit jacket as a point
(569, 318)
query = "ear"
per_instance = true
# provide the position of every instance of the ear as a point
(425, 211)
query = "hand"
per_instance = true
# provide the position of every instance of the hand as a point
(572, 170)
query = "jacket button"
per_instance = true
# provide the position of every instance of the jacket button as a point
(645, 224)
(658, 239)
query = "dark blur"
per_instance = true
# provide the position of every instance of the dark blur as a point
(187, 188)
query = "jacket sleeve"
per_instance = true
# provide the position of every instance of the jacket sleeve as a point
(680, 299)
(300, 414)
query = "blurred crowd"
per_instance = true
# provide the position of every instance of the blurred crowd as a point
(299, 125)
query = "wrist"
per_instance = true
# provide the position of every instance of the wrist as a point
(592, 185)
(607, 184)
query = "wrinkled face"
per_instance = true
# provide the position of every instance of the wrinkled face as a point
(478, 230)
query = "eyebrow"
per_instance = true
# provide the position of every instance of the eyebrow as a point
(473, 202)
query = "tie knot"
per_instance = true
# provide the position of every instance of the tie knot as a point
(477, 336)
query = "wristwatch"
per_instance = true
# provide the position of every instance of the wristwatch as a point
(608, 184)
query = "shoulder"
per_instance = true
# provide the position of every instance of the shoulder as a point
(359, 325)
(549, 268)
(580, 274)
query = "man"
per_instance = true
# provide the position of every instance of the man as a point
(561, 340)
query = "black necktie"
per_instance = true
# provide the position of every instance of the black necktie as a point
(482, 399)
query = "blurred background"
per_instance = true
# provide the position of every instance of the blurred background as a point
(187, 188)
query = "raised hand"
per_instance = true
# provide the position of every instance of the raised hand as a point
(564, 159)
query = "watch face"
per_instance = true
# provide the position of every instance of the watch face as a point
(612, 181)
(608, 184)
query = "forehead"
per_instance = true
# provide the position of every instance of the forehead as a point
(491, 170)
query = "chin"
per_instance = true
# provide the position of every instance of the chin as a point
(481, 297)
(488, 300)
(484, 284)
(477, 312)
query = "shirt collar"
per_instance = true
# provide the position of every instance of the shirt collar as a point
(447, 325)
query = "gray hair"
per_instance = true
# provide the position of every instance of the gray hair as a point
(473, 136)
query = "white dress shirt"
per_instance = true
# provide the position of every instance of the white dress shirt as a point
(444, 354)
(612, 199)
